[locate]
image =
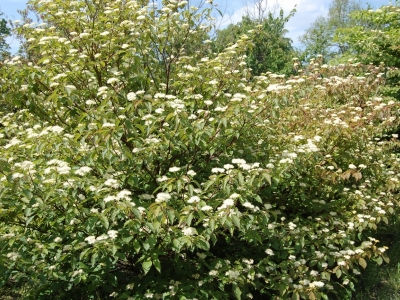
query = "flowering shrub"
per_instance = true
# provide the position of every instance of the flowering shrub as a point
(131, 169)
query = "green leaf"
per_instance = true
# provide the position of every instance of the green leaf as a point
(189, 219)
(156, 263)
(225, 181)
(156, 226)
(104, 221)
(146, 265)
(295, 296)
(311, 296)
(94, 259)
(386, 258)
(171, 215)
(379, 260)
(27, 193)
(29, 220)
(267, 176)
(208, 184)
(326, 276)
(237, 291)
(202, 243)
(211, 224)
(338, 273)
(240, 178)
(362, 262)
(146, 245)
(4, 166)
(84, 252)
(177, 244)
(220, 13)
(283, 288)
(178, 186)
(236, 221)
(136, 246)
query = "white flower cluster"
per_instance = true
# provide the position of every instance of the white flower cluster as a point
(61, 167)
(111, 234)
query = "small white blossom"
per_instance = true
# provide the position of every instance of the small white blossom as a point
(107, 124)
(90, 102)
(112, 183)
(229, 202)
(163, 197)
(162, 178)
(109, 198)
(112, 80)
(83, 170)
(194, 199)
(189, 231)
(124, 194)
(238, 161)
(317, 284)
(191, 173)
(232, 274)
(131, 96)
(269, 252)
(206, 208)
(112, 234)
(91, 239)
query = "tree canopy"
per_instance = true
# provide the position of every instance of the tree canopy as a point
(271, 51)
(4, 32)
(319, 38)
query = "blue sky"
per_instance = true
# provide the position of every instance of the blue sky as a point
(307, 12)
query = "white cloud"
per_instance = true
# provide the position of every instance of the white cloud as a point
(306, 13)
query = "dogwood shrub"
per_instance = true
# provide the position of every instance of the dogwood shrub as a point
(136, 166)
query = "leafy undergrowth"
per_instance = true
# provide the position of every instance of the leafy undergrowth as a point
(377, 282)
(383, 282)
(11, 291)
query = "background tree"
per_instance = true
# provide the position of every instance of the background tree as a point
(271, 50)
(318, 39)
(4, 32)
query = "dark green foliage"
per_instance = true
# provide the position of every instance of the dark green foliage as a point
(383, 282)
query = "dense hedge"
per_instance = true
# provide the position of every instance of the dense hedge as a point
(132, 169)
